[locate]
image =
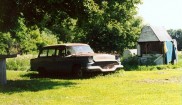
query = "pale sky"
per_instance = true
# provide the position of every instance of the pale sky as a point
(167, 13)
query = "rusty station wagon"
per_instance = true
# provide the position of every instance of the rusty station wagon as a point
(74, 58)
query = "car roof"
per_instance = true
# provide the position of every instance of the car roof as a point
(65, 44)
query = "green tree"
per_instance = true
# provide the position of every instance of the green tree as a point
(29, 39)
(111, 25)
(22, 36)
(6, 44)
(107, 25)
(176, 34)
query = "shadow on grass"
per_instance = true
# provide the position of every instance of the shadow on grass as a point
(15, 86)
(42, 82)
(62, 76)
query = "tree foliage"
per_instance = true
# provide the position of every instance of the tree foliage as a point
(107, 25)
(111, 25)
(177, 34)
(29, 39)
(6, 44)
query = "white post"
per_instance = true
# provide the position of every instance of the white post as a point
(3, 80)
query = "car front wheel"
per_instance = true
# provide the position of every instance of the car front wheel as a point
(77, 71)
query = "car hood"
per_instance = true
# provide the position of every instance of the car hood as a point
(100, 57)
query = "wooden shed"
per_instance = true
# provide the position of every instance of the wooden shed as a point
(127, 53)
(155, 46)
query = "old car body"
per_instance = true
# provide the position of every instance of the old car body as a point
(75, 58)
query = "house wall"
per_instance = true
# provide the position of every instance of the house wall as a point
(151, 53)
(150, 59)
(159, 52)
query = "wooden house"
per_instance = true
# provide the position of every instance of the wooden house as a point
(155, 46)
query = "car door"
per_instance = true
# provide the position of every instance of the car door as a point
(62, 61)
(46, 59)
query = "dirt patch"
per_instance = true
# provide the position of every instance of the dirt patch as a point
(166, 80)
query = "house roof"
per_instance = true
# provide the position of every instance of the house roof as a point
(150, 33)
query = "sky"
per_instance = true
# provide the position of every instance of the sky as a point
(166, 13)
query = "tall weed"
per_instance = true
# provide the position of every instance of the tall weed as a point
(21, 62)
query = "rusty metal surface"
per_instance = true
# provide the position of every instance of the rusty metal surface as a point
(66, 44)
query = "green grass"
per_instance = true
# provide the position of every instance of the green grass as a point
(162, 87)
(144, 85)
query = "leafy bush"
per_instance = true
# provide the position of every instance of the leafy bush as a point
(130, 63)
(19, 63)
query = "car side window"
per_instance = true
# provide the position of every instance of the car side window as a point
(69, 51)
(61, 52)
(47, 53)
(51, 52)
(43, 53)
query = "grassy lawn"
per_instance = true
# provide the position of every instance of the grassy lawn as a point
(162, 87)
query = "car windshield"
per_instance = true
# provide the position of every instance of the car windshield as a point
(81, 49)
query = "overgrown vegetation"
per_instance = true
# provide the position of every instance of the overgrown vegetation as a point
(20, 63)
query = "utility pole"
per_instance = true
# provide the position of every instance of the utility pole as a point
(3, 71)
